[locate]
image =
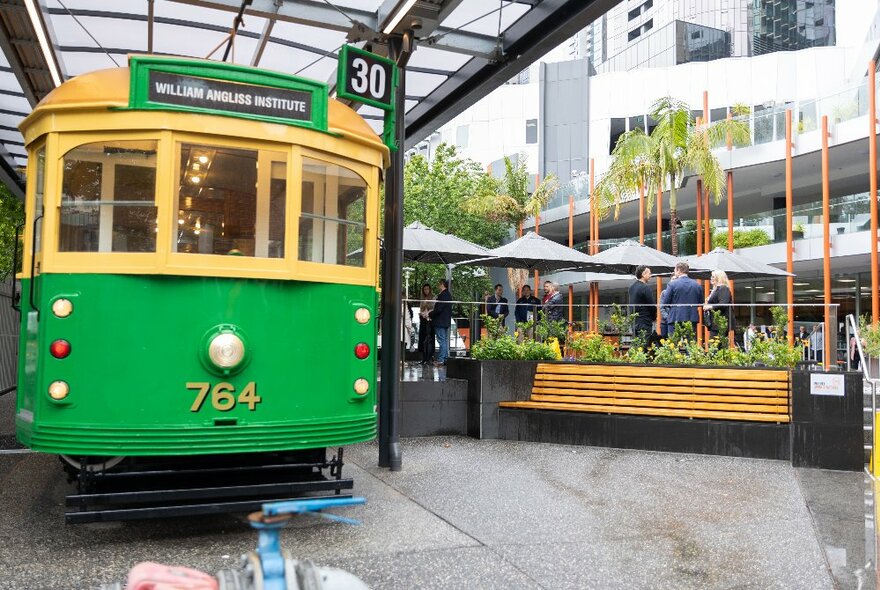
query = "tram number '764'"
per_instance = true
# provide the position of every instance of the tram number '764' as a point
(223, 396)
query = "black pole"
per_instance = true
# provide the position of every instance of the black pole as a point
(390, 455)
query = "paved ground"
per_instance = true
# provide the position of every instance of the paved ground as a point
(490, 514)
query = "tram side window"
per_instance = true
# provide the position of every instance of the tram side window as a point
(224, 204)
(331, 225)
(108, 198)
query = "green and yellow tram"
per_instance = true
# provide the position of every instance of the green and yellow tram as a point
(200, 265)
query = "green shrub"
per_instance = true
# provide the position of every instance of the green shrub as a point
(503, 348)
(530, 350)
(742, 238)
(870, 335)
(591, 347)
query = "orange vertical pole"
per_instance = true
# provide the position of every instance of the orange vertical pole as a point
(659, 208)
(594, 236)
(826, 243)
(729, 193)
(872, 172)
(730, 333)
(537, 233)
(642, 214)
(789, 245)
(570, 245)
(707, 238)
(699, 235)
(706, 107)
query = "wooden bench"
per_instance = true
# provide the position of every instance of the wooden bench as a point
(681, 392)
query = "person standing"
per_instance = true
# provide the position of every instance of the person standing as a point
(426, 326)
(720, 298)
(552, 302)
(749, 337)
(643, 303)
(441, 316)
(406, 324)
(817, 343)
(664, 311)
(685, 296)
(526, 304)
(496, 305)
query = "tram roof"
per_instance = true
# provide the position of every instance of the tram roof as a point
(110, 88)
(465, 48)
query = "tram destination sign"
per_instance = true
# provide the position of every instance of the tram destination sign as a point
(226, 89)
(191, 91)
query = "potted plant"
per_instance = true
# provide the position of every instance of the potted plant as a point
(870, 335)
(797, 232)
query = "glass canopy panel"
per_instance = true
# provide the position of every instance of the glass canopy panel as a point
(436, 59)
(193, 28)
(488, 24)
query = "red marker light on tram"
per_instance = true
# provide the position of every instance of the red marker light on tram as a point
(60, 349)
(362, 350)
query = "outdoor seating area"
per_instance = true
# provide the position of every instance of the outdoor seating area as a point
(724, 394)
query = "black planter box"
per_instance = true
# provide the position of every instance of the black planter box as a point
(490, 382)
(827, 431)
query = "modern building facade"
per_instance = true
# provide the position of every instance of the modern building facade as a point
(788, 25)
(659, 33)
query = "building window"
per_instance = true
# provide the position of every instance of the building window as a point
(461, 136)
(618, 128)
(634, 13)
(634, 34)
(532, 131)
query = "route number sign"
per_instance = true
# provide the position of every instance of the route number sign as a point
(366, 78)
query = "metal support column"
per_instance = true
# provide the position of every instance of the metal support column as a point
(399, 49)
(830, 361)
(789, 244)
(872, 172)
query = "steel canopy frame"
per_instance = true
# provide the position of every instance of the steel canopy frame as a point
(544, 25)
(538, 31)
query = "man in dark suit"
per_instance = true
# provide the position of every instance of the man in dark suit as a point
(643, 303)
(441, 317)
(685, 296)
(526, 304)
(496, 305)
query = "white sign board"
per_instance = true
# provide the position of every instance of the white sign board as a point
(826, 384)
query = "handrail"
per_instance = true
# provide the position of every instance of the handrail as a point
(852, 324)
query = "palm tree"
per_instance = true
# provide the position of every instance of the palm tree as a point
(512, 203)
(674, 147)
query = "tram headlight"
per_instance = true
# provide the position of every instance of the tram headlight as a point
(62, 308)
(226, 350)
(362, 315)
(361, 386)
(58, 390)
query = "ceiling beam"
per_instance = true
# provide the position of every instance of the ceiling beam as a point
(538, 31)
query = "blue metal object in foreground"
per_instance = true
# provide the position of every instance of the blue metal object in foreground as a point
(275, 517)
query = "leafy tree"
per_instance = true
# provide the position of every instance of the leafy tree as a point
(674, 148)
(434, 194)
(513, 203)
(11, 215)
